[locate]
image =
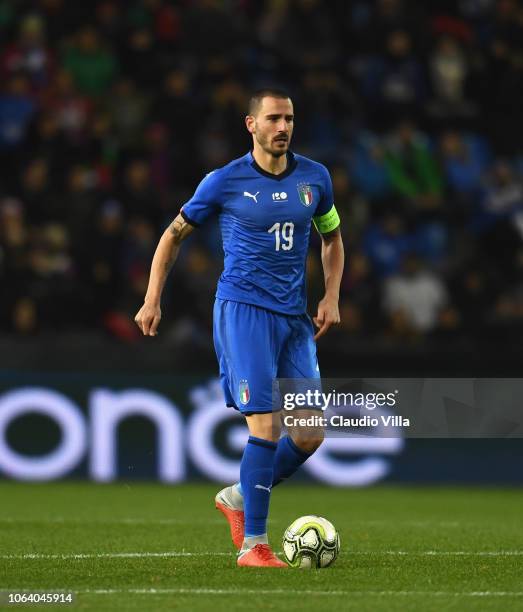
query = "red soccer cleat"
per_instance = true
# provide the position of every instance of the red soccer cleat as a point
(235, 518)
(260, 556)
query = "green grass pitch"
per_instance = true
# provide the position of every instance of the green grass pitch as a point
(152, 547)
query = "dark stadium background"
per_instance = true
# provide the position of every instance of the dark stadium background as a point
(110, 114)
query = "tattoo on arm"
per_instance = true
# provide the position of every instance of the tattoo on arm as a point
(176, 227)
(179, 230)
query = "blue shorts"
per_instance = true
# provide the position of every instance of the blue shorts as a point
(254, 346)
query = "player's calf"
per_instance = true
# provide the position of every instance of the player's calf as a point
(306, 430)
(308, 443)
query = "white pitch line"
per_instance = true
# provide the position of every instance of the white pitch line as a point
(122, 555)
(182, 553)
(385, 523)
(437, 553)
(204, 591)
(124, 521)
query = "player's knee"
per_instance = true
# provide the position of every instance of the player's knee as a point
(309, 443)
(264, 426)
(267, 434)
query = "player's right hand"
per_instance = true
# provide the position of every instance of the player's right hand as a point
(148, 318)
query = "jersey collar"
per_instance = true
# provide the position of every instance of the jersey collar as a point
(291, 166)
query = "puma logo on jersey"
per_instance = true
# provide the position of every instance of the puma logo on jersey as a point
(259, 486)
(250, 195)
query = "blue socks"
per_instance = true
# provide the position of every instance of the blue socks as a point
(264, 465)
(256, 477)
(288, 459)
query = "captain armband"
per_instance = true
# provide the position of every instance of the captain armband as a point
(328, 222)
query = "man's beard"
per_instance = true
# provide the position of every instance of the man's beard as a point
(278, 153)
(275, 152)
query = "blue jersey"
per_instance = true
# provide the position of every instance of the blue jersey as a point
(265, 222)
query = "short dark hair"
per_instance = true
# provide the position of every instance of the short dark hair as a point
(267, 92)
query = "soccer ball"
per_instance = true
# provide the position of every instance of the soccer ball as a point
(311, 542)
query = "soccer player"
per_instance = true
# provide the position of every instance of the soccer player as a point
(266, 202)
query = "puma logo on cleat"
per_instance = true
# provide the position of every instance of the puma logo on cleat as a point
(250, 195)
(259, 486)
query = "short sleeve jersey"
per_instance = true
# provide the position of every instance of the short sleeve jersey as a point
(265, 222)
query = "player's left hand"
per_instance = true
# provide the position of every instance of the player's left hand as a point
(328, 314)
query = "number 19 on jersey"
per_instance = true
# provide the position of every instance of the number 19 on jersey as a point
(283, 233)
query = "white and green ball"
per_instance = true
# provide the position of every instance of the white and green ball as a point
(311, 542)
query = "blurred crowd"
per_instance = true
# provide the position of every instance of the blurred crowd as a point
(111, 112)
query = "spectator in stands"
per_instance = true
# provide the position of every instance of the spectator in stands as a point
(127, 108)
(70, 109)
(386, 243)
(368, 167)
(414, 299)
(17, 108)
(394, 84)
(465, 160)
(138, 196)
(92, 64)
(359, 297)
(449, 70)
(412, 167)
(29, 55)
(40, 201)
